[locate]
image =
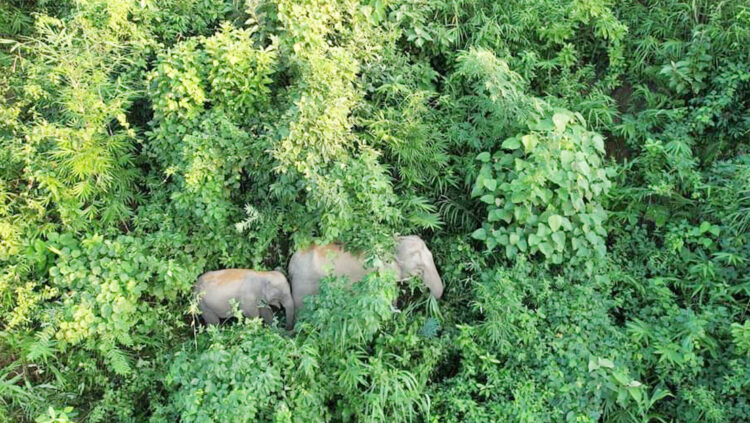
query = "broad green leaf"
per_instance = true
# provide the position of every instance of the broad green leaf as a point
(636, 393)
(479, 234)
(555, 221)
(494, 215)
(518, 197)
(584, 168)
(522, 245)
(593, 364)
(559, 238)
(605, 362)
(484, 157)
(659, 394)
(511, 143)
(621, 378)
(543, 125)
(491, 243)
(566, 157)
(598, 143)
(529, 142)
(561, 119)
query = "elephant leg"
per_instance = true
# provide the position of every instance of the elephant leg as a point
(210, 317)
(249, 307)
(301, 289)
(266, 314)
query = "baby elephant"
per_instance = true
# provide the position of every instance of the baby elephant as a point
(247, 287)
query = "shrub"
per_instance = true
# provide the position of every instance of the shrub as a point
(543, 191)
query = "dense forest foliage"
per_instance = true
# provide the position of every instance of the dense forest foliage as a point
(580, 170)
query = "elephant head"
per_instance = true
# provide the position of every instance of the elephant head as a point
(413, 258)
(276, 292)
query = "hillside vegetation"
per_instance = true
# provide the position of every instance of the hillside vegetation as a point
(580, 170)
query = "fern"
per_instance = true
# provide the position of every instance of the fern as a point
(118, 360)
(43, 347)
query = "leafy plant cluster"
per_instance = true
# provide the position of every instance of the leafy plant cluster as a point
(250, 372)
(579, 169)
(546, 192)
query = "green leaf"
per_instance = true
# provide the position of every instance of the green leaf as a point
(545, 248)
(659, 394)
(479, 234)
(584, 168)
(542, 230)
(575, 242)
(559, 238)
(522, 245)
(605, 362)
(555, 221)
(566, 157)
(491, 243)
(511, 144)
(484, 157)
(621, 378)
(543, 125)
(561, 119)
(518, 197)
(529, 142)
(598, 143)
(636, 393)
(490, 184)
(593, 364)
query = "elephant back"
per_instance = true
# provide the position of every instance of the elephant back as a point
(307, 267)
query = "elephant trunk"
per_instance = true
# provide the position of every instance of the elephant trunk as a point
(431, 278)
(289, 309)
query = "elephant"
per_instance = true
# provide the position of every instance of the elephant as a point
(308, 267)
(216, 288)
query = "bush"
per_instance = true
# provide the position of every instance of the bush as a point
(579, 170)
(543, 191)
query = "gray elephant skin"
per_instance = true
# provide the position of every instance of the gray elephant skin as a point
(216, 289)
(308, 267)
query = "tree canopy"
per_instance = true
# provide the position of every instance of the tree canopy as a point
(580, 170)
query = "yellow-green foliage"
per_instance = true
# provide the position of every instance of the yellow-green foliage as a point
(579, 169)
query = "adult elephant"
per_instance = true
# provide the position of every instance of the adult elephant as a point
(308, 267)
(247, 287)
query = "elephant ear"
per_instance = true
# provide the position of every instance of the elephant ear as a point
(269, 291)
(266, 288)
